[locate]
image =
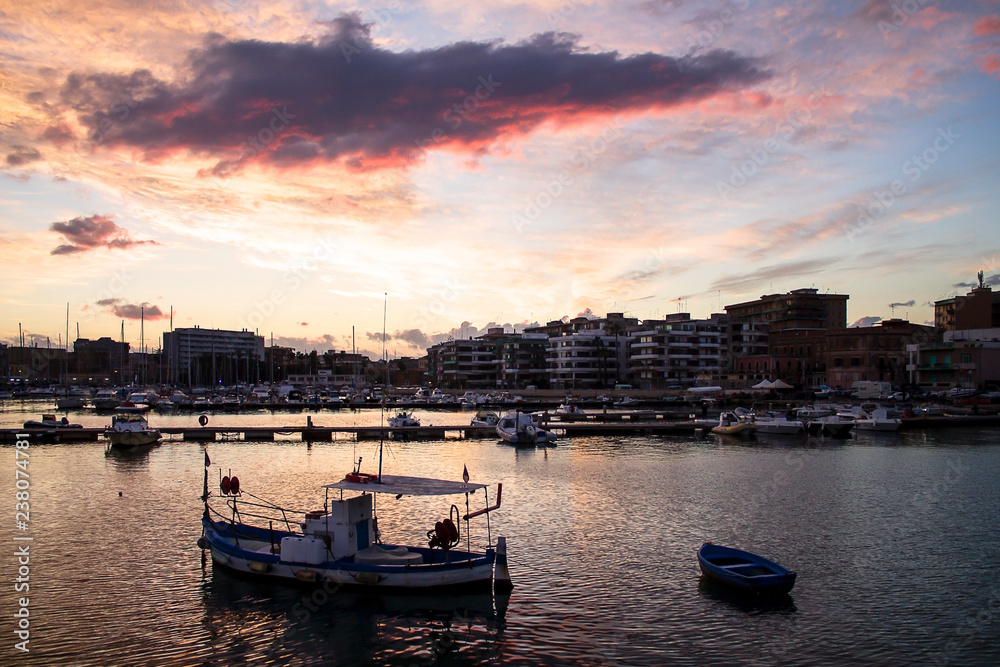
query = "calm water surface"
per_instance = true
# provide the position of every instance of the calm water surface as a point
(896, 540)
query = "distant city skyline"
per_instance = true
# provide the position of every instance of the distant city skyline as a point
(287, 167)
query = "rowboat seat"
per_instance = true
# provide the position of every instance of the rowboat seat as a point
(376, 555)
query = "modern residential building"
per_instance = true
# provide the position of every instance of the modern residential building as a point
(521, 361)
(678, 351)
(210, 356)
(463, 364)
(968, 358)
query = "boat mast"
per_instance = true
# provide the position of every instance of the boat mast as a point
(382, 427)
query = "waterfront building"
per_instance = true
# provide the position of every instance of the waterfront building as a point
(521, 360)
(877, 354)
(781, 336)
(105, 357)
(468, 363)
(585, 359)
(967, 358)
(979, 309)
(678, 351)
(213, 356)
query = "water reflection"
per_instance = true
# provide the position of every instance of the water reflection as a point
(269, 623)
(744, 602)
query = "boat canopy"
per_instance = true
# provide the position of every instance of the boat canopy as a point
(408, 486)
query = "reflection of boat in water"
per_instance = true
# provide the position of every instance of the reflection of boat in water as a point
(327, 624)
(518, 428)
(341, 544)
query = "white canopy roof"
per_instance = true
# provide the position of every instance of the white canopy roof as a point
(408, 486)
(764, 384)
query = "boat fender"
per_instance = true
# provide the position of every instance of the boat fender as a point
(203, 420)
(234, 485)
(202, 543)
(225, 485)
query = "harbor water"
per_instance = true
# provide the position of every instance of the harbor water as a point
(895, 539)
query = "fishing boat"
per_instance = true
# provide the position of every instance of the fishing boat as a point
(744, 571)
(518, 428)
(129, 428)
(731, 424)
(341, 545)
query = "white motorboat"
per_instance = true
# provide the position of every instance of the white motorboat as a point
(129, 428)
(569, 412)
(107, 399)
(775, 424)
(518, 428)
(404, 419)
(878, 420)
(484, 418)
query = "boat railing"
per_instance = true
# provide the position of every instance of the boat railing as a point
(270, 513)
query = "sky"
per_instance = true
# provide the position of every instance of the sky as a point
(307, 169)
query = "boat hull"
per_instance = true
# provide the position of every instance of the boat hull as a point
(126, 439)
(251, 555)
(744, 571)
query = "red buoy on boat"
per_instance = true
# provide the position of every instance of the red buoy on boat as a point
(234, 485)
(225, 485)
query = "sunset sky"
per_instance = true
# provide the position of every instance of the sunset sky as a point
(283, 166)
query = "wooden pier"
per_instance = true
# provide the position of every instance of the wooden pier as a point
(618, 424)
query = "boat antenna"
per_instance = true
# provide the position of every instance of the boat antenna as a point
(385, 304)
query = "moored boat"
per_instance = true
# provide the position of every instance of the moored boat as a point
(129, 428)
(341, 545)
(732, 424)
(50, 421)
(744, 571)
(518, 428)
(878, 420)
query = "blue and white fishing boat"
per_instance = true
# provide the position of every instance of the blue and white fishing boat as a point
(744, 571)
(340, 545)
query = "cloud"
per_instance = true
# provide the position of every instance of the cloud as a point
(343, 99)
(131, 311)
(740, 283)
(988, 280)
(869, 321)
(904, 304)
(987, 26)
(22, 155)
(96, 231)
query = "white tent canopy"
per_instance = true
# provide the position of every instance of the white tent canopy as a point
(764, 384)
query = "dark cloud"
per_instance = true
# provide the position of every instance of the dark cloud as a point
(869, 321)
(22, 155)
(96, 231)
(988, 280)
(345, 100)
(132, 311)
(903, 304)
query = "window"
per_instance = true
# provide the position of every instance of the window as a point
(855, 361)
(838, 362)
(966, 358)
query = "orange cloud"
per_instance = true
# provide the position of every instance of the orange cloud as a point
(986, 26)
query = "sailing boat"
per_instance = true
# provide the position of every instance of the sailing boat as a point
(341, 544)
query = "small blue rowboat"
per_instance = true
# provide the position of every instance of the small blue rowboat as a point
(744, 571)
